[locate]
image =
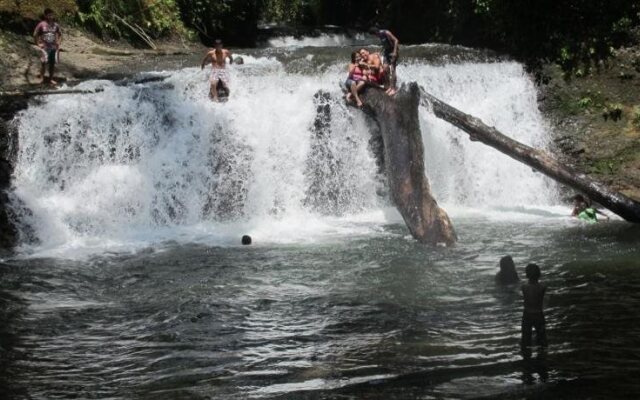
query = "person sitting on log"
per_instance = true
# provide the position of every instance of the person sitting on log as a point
(584, 211)
(357, 78)
(376, 77)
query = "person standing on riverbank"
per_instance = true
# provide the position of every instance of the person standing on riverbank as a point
(532, 316)
(390, 49)
(48, 37)
(219, 73)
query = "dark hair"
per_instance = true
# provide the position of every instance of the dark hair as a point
(507, 272)
(579, 197)
(533, 272)
(374, 30)
(246, 240)
(217, 42)
(48, 11)
(354, 55)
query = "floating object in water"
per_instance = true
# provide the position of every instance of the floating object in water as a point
(246, 240)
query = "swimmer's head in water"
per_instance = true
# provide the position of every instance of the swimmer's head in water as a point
(533, 272)
(217, 44)
(246, 240)
(508, 272)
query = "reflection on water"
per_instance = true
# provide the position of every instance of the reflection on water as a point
(367, 317)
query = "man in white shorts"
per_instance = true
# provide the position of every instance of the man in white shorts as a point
(219, 73)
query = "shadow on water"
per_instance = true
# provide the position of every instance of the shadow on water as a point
(12, 310)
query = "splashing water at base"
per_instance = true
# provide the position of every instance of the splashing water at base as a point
(147, 163)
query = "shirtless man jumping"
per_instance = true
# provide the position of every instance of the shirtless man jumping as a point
(217, 57)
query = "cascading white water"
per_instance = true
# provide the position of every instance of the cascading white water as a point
(323, 40)
(469, 173)
(146, 163)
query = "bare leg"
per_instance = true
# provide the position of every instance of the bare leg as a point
(213, 91)
(392, 80)
(225, 87)
(52, 70)
(42, 69)
(355, 88)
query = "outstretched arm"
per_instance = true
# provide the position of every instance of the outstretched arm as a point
(395, 42)
(58, 37)
(230, 57)
(205, 60)
(36, 32)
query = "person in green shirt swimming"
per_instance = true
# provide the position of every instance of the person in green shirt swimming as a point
(584, 211)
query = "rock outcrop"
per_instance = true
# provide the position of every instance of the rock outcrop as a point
(8, 231)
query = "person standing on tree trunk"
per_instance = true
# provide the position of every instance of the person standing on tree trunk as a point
(219, 73)
(48, 37)
(390, 47)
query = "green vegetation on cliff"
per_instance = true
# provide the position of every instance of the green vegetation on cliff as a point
(573, 33)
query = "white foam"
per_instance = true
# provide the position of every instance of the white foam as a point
(136, 166)
(323, 40)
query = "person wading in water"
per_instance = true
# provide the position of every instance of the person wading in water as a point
(219, 73)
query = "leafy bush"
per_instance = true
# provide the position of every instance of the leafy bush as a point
(32, 9)
(122, 18)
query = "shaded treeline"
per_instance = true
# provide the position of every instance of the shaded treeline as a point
(571, 32)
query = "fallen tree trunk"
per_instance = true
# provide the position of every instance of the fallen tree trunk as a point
(404, 164)
(33, 93)
(616, 202)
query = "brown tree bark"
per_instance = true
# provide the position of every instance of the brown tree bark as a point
(404, 164)
(616, 202)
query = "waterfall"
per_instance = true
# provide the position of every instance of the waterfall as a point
(145, 163)
(469, 173)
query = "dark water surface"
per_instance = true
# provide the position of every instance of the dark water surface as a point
(369, 317)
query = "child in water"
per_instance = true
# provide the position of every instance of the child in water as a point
(583, 210)
(532, 316)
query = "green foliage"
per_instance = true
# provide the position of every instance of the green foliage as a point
(155, 17)
(235, 21)
(33, 9)
(612, 111)
(585, 102)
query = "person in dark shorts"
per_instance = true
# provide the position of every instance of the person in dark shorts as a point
(390, 49)
(48, 37)
(533, 317)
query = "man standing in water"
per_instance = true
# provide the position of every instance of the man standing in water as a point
(390, 47)
(219, 73)
(48, 36)
(532, 316)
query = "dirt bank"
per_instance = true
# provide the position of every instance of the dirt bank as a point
(596, 119)
(85, 57)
